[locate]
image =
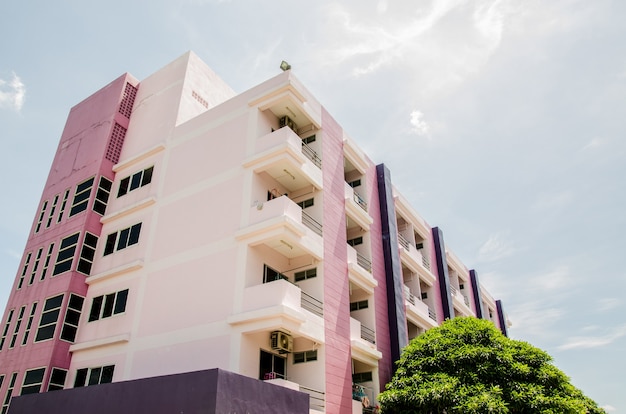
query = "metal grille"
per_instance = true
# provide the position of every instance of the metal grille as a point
(126, 106)
(115, 143)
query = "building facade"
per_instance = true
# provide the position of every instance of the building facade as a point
(185, 227)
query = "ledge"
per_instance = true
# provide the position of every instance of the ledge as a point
(138, 158)
(111, 340)
(116, 271)
(128, 210)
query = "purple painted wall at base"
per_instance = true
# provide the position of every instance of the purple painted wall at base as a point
(212, 391)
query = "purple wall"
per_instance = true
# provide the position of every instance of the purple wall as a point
(212, 391)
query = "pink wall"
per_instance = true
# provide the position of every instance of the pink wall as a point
(80, 155)
(336, 286)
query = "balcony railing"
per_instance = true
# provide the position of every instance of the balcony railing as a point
(364, 262)
(317, 399)
(413, 301)
(456, 292)
(368, 334)
(311, 223)
(360, 200)
(311, 155)
(311, 304)
(425, 261)
(403, 241)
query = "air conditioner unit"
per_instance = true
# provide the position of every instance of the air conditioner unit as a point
(286, 121)
(281, 342)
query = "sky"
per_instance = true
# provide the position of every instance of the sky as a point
(501, 121)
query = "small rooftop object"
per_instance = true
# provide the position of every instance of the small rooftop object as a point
(284, 65)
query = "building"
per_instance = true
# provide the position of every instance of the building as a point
(185, 227)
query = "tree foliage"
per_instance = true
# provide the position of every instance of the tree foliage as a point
(467, 366)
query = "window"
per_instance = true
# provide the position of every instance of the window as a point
(272, 366)
(305, 274)
(102, 195)
(29, 325)
(354, 183)
(49, 318)
(356, 241)
(122, 239)
(81, 197)
(46, 263)
(361, 377)
(354, 306)
(5, 331)
(270, 275)
(57, 379)
(106, 306)
(306, 203)
(94, 376)
(72, 316)
(135, 181)
(306, 356)
(52, 209)
(7, 397)
(424, 295)
(24, 269)
(309, 140)
(32, 381)
(18, 324)
(42, 213)
(35, 266)
(87, 254)
(63, 205)
(65, 256)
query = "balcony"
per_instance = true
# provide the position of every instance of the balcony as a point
(357, 274)
(414, 260)
(417, 312)
(461, 301)
(284, 156)
(356, 208)
(283, 226)
(362, 339)
(280, 305)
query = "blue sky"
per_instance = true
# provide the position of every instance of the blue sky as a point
(502, 122)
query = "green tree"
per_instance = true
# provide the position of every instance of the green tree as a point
(467, 366)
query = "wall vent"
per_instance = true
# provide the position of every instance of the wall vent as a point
(126, 106)
(115, 143)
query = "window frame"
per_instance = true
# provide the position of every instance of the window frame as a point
(33, 384)
(46, 311)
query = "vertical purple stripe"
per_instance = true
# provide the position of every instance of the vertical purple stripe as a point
(399, 337)
(442, 271)
(478, 300)
(501, 319)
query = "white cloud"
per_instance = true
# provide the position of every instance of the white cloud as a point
(419, 126)
(12, 93)
(533, 319)
(608, 304)
(586, 342)
(14, 254)
(556, 279)
(553, 201)
(594, 143)
(609, 408)
(495, 248)
(382, 6)
(439, 44)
